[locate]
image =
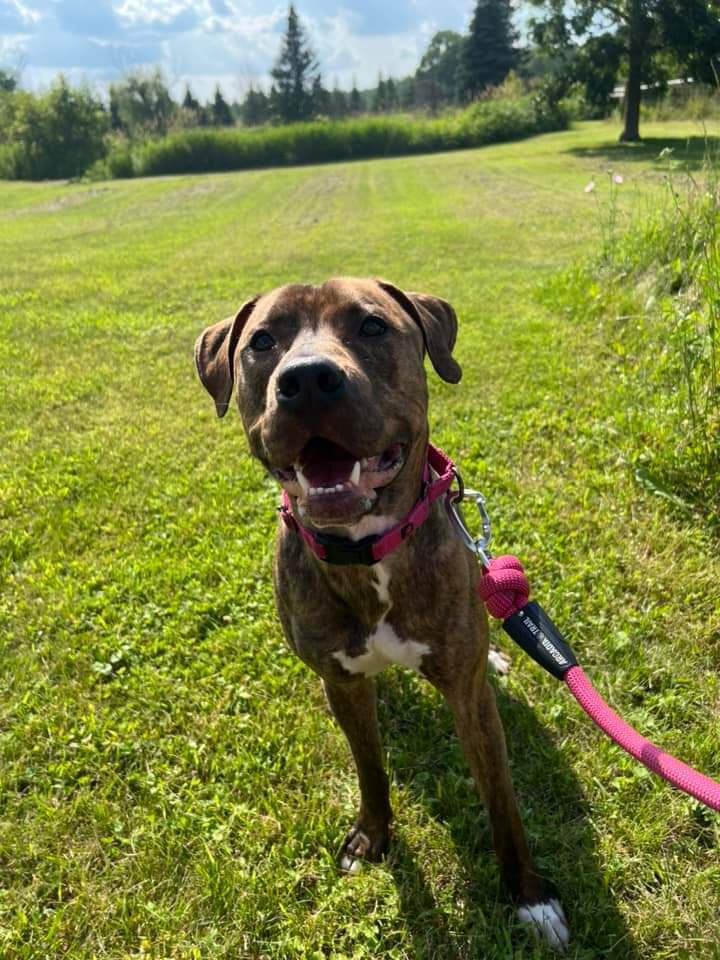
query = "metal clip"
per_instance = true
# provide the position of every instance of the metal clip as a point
(479, 546)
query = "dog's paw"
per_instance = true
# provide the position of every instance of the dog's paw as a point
(362, 844)
(499, 662)
(547, 922)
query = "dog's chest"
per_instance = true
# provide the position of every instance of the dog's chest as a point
(382, 646)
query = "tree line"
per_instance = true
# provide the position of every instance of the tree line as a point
(583, 46)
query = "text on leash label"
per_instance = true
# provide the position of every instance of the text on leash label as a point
(548, 645)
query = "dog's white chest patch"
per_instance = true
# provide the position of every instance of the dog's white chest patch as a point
(383, 646)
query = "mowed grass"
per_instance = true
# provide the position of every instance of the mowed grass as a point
(171, 783)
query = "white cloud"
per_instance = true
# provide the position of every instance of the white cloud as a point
(15, 16)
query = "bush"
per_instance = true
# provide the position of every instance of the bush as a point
(59, 134)
(207, 150)
(656, 293)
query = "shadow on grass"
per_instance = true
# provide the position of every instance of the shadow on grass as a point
(426, 758)
(689, 153)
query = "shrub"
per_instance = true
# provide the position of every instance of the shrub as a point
(322, 141)
(59, 134)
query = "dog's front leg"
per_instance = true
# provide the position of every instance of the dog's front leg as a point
(479, 728)
(354, 705)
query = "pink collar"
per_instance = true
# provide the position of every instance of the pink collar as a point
(370, 550)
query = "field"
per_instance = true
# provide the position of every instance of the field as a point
(171, 783)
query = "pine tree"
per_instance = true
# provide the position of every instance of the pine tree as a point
(189, 101)
(255, 108)
(274, 103)
(339, 105)
(221, 113)
(408, 93)
(294, 73)
(488, 54)
(379, 104)
(356, 103)
(320, 98)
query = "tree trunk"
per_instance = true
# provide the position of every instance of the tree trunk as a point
(631, 108)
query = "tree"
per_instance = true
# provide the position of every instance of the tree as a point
(646, 32)
(273, 102)
(379, 103)
(8, 81)
(339, 104)
(294, 73)
(356, 103)
(58, 134)
(220, 111)
(189, 101)
(321, 99)
(141, 104)
(596, 68)
(438, 76)
(255, 108)
(408, 96)
(192, 113)
(488, 53)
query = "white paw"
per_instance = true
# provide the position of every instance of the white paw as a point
(547, 921)
(498, 661)
(350, 865)
(356, 847)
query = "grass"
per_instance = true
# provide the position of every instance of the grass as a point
(654, 288)
(171, 785)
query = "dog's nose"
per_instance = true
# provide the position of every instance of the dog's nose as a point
(310, 379)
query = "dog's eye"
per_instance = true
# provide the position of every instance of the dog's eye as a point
(373, 327)
(261, 340)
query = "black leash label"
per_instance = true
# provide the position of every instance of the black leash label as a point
(533, 630)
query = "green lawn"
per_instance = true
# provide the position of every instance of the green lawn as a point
(171, 783)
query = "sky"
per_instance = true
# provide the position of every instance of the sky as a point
(206, 42)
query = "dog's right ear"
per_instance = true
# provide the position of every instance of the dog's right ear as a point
(215, 355)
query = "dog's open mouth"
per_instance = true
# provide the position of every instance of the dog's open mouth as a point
(332, 484)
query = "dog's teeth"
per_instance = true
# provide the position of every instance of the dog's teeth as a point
(355, 475)
(339, 487)
(313, 490)
(302, 480)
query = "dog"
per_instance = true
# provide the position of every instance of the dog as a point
(332, 394)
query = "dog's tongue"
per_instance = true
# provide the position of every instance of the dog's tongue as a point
(325, 464)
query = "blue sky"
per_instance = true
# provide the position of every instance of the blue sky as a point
(204, 42)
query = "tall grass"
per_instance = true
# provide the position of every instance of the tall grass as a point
(691, 102)
(655, 288)
(206, 150)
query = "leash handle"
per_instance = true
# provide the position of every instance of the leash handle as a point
(505, 589)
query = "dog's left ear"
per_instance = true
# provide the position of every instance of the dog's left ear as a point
(437, 320)
(215, 355)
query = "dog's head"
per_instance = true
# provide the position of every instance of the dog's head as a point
(331, 390)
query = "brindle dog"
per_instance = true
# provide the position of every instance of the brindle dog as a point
(333, 398)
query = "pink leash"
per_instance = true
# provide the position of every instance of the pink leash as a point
(505, 590)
